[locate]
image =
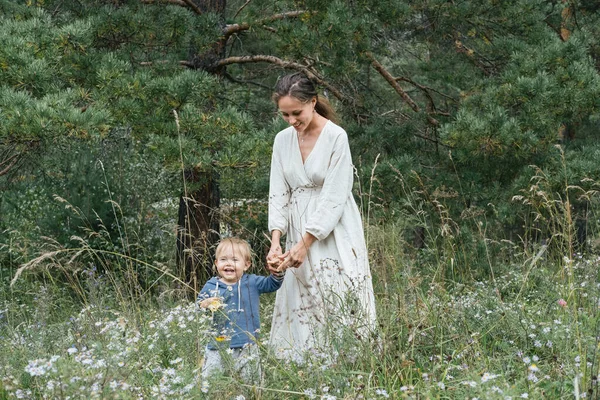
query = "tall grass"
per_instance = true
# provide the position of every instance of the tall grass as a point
(464, 315)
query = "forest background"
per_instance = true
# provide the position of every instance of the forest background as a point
(134, 132)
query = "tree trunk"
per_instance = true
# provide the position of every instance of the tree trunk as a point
(208, 60)
(215, 6)
(198, 221)
(198, 227)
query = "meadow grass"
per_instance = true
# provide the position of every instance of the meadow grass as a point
(533, 334)
(457, 319)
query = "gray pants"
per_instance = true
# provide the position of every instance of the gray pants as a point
(244, 361)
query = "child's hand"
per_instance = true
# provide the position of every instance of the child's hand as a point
(274, 264)
(212, 303)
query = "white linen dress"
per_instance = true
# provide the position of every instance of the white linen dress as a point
(333, 286)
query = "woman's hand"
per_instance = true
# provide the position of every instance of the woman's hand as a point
(295, 257)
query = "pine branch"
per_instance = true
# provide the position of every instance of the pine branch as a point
(486, 65)
(284, 64)
(234, 28)
(394, 84)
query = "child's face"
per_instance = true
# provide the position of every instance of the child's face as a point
(231, 264)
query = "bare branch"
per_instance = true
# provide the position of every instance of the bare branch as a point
(392, 81)
(151, 63)
(270, 29)
(11, 163)
(176, 2)
(431, 109)
(8, 160)
(241, 8)
(260, 58)
(236, 80)
(437, 142)
(193, 6)
(426, 89)
(394, 84)
(552, 26)
(234, 28)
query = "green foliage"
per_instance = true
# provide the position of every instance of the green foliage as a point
(518, 118)
(475, 195)
(499, 81)
(105, 104)
(80, 195)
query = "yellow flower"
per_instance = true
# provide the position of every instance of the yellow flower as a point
(213, 303)
(221, 338)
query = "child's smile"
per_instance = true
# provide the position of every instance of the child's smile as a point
(231, 265)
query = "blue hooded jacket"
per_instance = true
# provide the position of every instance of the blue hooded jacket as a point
(238, 322)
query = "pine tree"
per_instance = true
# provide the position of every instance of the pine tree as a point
(489, 83)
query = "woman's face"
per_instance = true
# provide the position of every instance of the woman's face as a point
(297, 113)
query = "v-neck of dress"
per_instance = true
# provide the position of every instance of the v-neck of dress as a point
(303, 162)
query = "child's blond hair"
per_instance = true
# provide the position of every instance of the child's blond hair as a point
(237, 244)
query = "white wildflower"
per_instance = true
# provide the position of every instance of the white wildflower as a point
(487, 377)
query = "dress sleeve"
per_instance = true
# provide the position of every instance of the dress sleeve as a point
(337, 187)
(279, 192)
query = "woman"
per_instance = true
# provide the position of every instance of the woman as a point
(328, 282)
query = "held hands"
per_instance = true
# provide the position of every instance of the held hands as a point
(274, 258)
(294, 257)
(277, 262)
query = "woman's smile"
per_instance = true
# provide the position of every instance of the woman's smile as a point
(296, 113)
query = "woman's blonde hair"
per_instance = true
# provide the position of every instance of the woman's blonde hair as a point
(237, 244)
(301, 88)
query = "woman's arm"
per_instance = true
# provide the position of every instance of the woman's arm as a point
(275, 252)
(279, 195)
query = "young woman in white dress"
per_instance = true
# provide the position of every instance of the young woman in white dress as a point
(328, 282)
